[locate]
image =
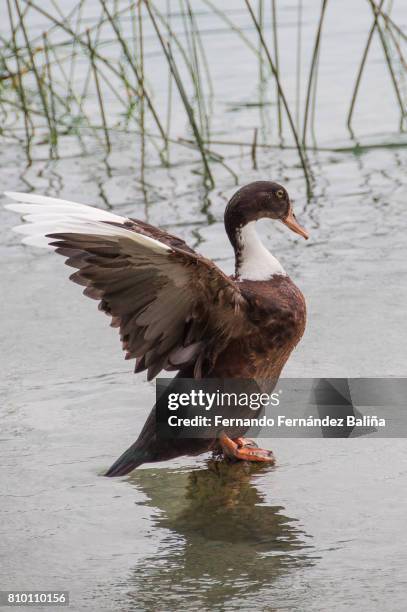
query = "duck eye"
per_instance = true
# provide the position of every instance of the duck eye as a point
(280, 193)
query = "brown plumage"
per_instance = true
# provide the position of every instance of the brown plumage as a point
(175, 309)
(172, 308)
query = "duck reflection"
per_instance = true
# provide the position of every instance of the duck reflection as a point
(223, 542)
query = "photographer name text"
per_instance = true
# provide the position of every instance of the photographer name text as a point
(278, 421)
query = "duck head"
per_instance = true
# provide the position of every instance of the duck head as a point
(258, 200)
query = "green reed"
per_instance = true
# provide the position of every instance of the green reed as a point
(44, 95)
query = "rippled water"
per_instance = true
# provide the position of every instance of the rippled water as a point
(325, 528)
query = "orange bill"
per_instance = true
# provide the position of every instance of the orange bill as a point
(291, 222)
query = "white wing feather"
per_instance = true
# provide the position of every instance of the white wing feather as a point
(50, 216)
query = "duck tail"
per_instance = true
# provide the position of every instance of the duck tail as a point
(141, 451)
(147, 448)
(128, 461)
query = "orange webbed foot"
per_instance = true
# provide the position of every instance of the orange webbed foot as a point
(242, 449)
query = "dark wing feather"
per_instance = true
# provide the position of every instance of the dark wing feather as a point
(159, 234)
(173, 307)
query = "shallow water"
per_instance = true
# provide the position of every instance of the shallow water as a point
(325, 528)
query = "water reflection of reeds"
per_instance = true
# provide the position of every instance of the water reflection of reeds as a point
(62, 80)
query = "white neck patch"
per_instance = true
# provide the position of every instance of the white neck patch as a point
(255, 261)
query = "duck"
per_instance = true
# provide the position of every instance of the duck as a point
(175, 309)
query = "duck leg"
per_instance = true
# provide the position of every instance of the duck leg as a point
(243, 449)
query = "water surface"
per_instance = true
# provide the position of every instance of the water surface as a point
(325, 528)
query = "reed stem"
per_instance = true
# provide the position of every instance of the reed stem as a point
(20, 88)
(277, 64)
(312, 70)
(177, 79)
(54, 131)
(133, 66)
(361, 68)
(283, 99)
(98, 92)
(390, 67)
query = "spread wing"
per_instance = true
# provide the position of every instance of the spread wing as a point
(173, 307)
